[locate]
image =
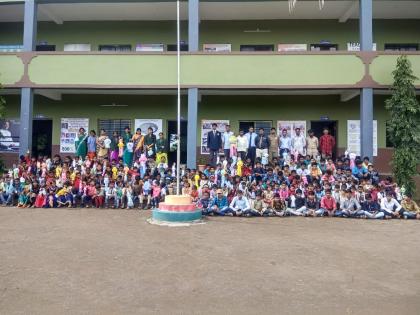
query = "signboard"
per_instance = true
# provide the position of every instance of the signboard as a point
(353, 137)
(150, 47)
(9, 135)
(217, 47)
(292, 47)
(77, 47)
(144, 124)
(290, 126)
(356, 46)
(206, 127)
(69, 130)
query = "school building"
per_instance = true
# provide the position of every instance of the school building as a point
(111, 64)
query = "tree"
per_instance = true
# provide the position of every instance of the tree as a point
(404, 125)
(2, 103)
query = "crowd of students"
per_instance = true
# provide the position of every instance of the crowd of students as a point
(279, 184)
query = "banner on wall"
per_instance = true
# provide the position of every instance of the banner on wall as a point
(69, 130)
(206, 127)
(290, 126)
(9, 135)
(353, 137)
(144, 124)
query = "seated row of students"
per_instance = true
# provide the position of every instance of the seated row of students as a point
(309, 205)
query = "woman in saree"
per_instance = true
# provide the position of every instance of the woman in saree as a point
(80, 143)
(101, 144)
(127, 156)
(138, 144)
(113, 156)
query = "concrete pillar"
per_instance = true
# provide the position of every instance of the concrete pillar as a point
(192, 128)
(193, 43)
(366, 94)
(27, 94)
(193, 24)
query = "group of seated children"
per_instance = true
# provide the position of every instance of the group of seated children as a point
(285, 186)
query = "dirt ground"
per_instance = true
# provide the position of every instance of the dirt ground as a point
(114, 262)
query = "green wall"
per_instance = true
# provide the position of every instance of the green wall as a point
(233, 108)
(282, 31)
(197, 70)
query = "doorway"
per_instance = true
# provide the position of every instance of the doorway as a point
(318, 127)
(172, 131)
(42, 137)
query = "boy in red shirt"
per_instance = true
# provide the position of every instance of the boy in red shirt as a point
(328, 204)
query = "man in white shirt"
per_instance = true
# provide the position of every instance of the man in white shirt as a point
(285, 143)
(242, 145)
(390, 207)
(239, 203)
(299, 143)
(250, 138)
(226, 144)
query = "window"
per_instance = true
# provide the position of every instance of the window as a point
(117, 48)
(401, 47)
(257, 48)
(266, 125)
(324, 47)
(111, 125)
(174, 47)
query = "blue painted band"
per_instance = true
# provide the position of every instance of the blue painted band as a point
(171, 216)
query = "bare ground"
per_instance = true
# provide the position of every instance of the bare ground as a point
(114, 262)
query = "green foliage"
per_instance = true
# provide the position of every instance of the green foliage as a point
(404, 125)
(2, 103)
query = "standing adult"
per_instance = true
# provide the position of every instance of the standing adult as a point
(113, 156)
(242, 145)
(327, 144)
(299, 143)
(102, 144)
(138, 144)
(214, 143)
(285, 143)
(250, 137)
(273, 150)
(127, 156)
(91, 144)
(81, 145)
(261, 144)
(226, 143)
(161, 149)
(312, 144)
(150, 143)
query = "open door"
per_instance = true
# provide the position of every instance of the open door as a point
(42, 137)
(318, 127)
(172, 130)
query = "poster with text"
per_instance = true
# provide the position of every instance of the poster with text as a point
(9, 135)
(144, 124)
(69, 130)
(206, 127)
(290, 126)
(353, 137)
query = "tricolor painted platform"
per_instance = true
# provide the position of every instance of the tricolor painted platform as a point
(176, 209)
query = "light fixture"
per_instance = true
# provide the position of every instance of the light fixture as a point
(292, 4)
(257, 30)
(113, 105)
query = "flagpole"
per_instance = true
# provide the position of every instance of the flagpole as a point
(178, 58)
